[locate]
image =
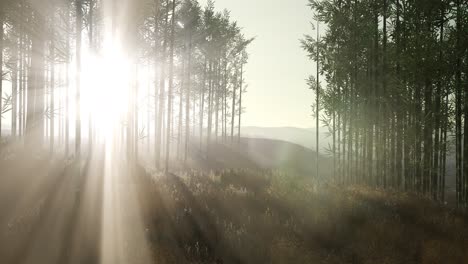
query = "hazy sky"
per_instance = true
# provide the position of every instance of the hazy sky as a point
(277, 69)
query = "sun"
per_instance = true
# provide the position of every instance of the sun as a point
(105, 89)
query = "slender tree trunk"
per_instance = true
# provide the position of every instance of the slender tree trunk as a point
(241, 87)
(79, 26)
(217, 97)
(14, 92)
(187, 100)
(157, 133)
(162, 90)
(21, 79)
(181, 99)
(437, 113)
(1, 65)
(317, 106)
(171, 87)
(67, 82)
(400, 113)
(52, 85)
(233, 111)
(225, 100)
(458, 114)
(384, 96)
(465, 144)
(202, 103)
(444, 150)
(35, 125)
(92, 48)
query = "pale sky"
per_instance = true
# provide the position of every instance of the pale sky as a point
(277, 94)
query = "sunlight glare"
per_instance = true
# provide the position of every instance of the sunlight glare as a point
(105, 83)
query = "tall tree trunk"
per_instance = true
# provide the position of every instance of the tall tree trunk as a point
(465, 142)
(181, 99)
(14, 91)
(79, 27)
(210, 107)
(52, 84)
(162, 90)
(217, 90)
(241, 87)
(92, 48)
(157, 61)
(400, 112)
(438, 113)
(444, 147)
(202, 103)
(458, 103)
(1, 65)
(384, 96)
(35, 119)
(171, 87)
(317, 105)
(21, 79)
(67, 81)
(233, 111)
(187, 100)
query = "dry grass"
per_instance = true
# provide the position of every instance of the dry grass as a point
(265, 217)
(238, 216)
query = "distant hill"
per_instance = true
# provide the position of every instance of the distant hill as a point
(260, 153)
(301, 136)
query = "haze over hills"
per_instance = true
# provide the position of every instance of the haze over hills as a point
(264, 153)
(301, 136)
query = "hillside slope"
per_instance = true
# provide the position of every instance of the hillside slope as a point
(258, 153)
(300, 136)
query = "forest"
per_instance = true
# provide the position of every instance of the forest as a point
(398, 112)
(131, 131)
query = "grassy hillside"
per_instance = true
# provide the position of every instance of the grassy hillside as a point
(300, 136)
(260, 217)
(258, 153)
(229, 216)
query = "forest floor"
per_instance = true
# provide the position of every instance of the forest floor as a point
(116, 213)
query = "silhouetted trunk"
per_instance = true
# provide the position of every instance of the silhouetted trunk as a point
(444, 148)
(14, 90)
(217, 97)
(21, 78)
(162, 90)
(427, 135)
(79, 26)
(181, 99)
(225, 102)
(67, 81)
(437, 114)
(171, 87)
(202, 103)
(157, 96)
(458, 106)
(233, 111)
(1, 65)
(210, 107)
(92, 48)
(240, 103)
(465, 144)
(400, 112)
(187, 100)
(317, 106)
(52, 85)
(35, 119)
(384, 96)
